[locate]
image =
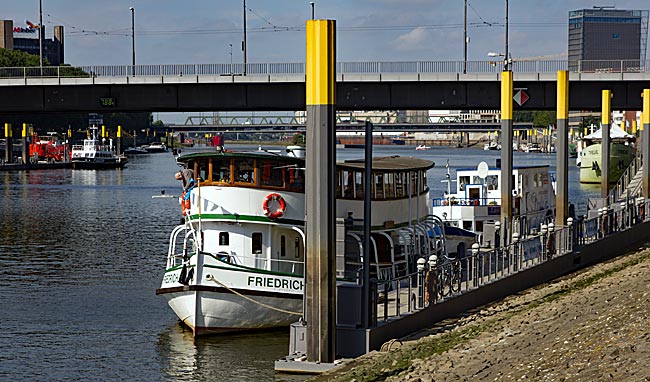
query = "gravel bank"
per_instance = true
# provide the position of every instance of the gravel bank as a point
(590, 326)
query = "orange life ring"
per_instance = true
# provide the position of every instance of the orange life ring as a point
(274, 206)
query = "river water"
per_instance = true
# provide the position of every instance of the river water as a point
(82, 253)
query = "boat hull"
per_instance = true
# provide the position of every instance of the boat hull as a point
(210, 310)
(234, 299)
(590, 162)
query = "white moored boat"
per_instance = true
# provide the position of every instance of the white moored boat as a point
(477, 201)
(237, 261)
(95, 154)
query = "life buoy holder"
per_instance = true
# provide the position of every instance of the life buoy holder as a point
(274, 206)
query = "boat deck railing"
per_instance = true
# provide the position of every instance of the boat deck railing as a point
(620, 191)
(446, 278)
(453, 201)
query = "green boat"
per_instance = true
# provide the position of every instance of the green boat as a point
(621, 153)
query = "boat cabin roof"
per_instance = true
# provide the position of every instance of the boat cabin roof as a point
(393, 163)
(468, 169)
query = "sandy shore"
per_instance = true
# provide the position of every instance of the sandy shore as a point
(590, 326)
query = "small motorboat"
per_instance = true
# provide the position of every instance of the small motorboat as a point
(423, 147)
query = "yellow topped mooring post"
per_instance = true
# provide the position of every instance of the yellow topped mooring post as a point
(25, 146)
(9, 144)
(320, 202)
(645, 139)
(506, 155)
(562, 149)
(118, 143)
(606, 118)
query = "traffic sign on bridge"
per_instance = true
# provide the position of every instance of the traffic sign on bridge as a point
(521, 96)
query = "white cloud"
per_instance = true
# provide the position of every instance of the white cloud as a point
(412, 40)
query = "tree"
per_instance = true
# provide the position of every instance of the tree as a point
(543, 118)
(18, 59)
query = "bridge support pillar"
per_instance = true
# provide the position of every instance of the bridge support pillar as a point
(320, 202)
(606, 118)
(645, 139)
(506, 155)
(562, 150)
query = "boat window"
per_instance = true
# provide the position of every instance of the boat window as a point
(257, 243)
(463, 181)
(479, 226)
(378, 189)
(389, 185)
(224, 239)
(221, 170)
(296, 248)
(492, 182)
(339, 184)
(424, 180)
(201, 169)
(358, 185)
(467, 224)
(245, 170)
(271, 173)
(283, 246)
(414, 183)
(348, 184)
(295, 178)
(400, 180)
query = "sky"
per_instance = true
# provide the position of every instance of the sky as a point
(201, 31)
(98, 32)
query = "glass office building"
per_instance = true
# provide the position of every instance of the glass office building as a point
(607, 40)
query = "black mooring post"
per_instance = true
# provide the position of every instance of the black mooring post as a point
(366, 225)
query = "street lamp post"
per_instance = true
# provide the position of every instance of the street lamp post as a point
(132, 38)
(507, 54)
(243, 44)
(40, 33)
(231, 73)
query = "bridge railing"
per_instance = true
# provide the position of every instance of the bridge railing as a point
(358, 67)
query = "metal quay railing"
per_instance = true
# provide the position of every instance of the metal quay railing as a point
(441, 278)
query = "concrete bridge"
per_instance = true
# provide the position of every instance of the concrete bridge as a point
(281, 86)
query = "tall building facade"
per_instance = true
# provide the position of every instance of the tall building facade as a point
(11, 38)
(606, 39)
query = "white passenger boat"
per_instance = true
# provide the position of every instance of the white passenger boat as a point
(95, 154)
(477, 201)
(237, 261)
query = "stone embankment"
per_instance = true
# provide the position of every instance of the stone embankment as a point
(591, 326)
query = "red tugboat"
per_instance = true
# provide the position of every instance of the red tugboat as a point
(49, 149)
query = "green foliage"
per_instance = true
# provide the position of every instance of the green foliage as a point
(16, 59)
(543, 118)
(298, 139)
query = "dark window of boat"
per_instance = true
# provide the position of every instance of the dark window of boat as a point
(378, 190)
(221, 170)
(245, 170)
(463, 181)
(479, 227)
(467, 224)
(295, 178)
(257, 243)
(296, 248)
(283, 246)
(271, 173)
(389, 185)
(201, 168)
(348, 184)
(224, 239)
(400, 184)
(358, 185)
